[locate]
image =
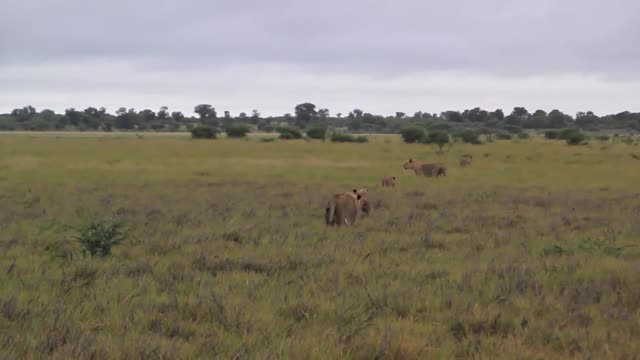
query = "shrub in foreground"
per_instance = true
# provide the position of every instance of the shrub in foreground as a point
(99, 235)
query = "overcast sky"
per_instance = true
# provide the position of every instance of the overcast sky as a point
(381, 56)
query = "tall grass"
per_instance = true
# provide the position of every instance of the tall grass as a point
(529, 252)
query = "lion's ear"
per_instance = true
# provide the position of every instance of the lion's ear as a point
(355, 191)
(410, 160)
(359, 196)
(394, 178)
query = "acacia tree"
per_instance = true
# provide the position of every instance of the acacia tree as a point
(304, 114)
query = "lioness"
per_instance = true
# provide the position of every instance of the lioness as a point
(343, 209)
(426, 169)
(365, 202)
(389, 181)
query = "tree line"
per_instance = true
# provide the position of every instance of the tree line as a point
(306, 116)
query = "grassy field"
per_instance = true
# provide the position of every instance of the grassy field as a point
(529, 253)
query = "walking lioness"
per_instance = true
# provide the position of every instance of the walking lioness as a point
(343, 209)
(425, 169)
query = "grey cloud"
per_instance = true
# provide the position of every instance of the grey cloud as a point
(495, 36)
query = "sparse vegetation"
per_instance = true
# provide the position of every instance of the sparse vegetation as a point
(227, 255)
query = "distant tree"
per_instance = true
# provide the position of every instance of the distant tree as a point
(339, 115)
(147, 115)
(356, 113)
(177, 116)
(163, 114)
(475, 115)
(205, 111)
(520, 111)
(227, 114)
(23, 114)
(323, 114)
(91, 111)
(304, 114)
(438, 137)
(587, 120)
(453, 116)
(498, 115)
(469, 136)
(558, 120)
(412, 134)
(255, 116)
(400, 115)
(73, 116)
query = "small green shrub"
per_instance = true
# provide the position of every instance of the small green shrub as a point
(203, 132)
(503, 136)
(412, 134)
(237, 131)
(267, 139)
(603, 137)
(99, 235)
(287, 133)
(575, 138)
(318, 133)
(523, 135)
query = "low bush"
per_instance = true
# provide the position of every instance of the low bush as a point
(203, 132)
(97, 236)
(287, 133)
(237, 131)
(318, 133)
(575, 138)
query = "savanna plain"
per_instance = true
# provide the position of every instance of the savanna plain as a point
(531, 252)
